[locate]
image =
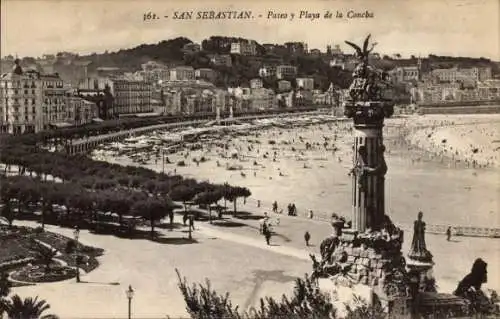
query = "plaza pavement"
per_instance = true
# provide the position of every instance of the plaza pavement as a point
(235, 259)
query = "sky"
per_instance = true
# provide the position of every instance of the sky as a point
(409, 27)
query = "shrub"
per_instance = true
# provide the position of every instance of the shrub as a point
(70, 246)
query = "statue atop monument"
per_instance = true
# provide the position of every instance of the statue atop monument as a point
(370, 95)
(418, 249)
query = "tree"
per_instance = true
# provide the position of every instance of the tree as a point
(363, 310)
(204, 303)
(18, 308)
(306, 302)
(153, 209)
(5, 286)
(8, 213)
(183, 193)
(237, 192)
(208, 198)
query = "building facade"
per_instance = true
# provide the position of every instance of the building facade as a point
(244, 47)
(305, 83)
(21, 100)
(286, 71)
(256, 84)
(182, 73)
(131, 96)
(405, 74)
(262, 99)
(284, 85)
(79, 111)
(221, 59)
(206, 74)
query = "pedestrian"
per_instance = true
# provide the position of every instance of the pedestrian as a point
(258, 203)
(307, 237)
(184, 218)
(264, 226)
(275, 207)
(277, 221)
(311, 215)
(191, 222)
(448, 234)
(268, 236)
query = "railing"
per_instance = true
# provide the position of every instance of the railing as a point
(468, 231)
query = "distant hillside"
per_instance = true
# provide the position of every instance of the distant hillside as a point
(168, 52)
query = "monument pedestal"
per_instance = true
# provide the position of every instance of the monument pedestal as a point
(371, 258)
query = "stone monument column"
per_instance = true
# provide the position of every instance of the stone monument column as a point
(368, 187)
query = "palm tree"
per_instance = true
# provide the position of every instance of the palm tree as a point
(28, 308)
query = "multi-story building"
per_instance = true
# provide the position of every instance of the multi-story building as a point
(182, 73)
(305, 83)
(286, 71)
(221, 59)
(405, 74)
(267, 71)
(31, 102)
(461, 74)
(20, 98)
(296, 47)
(244, 47)
(334, 51)
(489, 89)
(284, 85)
(79, 111)
(131, 96)
(53, 102)
(256, 84)
(205, 74)
(176, 95)
(262, 99)
(484, 74)
(98, 91)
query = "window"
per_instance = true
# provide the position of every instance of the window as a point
(32, 91)
(33, 110)
(15, 91)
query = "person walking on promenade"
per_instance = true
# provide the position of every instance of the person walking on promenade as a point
(258, 203)
(311, 215)
(191, 222)
(267, 234)
(307, 237)
(448, 233)
(275, 207)
(184, 218)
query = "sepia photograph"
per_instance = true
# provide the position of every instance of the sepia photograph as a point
(281, 159)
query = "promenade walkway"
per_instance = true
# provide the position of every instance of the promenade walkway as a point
(82, 145)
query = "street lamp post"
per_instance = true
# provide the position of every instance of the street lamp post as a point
(76, 233)
(163, 161)
(130, 294)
